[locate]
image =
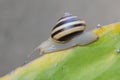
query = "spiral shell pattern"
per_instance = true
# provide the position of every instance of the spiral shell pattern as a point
(67, 27)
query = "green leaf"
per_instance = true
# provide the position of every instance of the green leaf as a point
(99, 60)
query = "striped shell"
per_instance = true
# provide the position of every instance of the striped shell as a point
(67, 27)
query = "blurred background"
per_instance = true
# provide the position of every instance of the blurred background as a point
(24, 24)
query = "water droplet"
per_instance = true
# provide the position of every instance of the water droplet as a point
(98, 25)
(118, 50)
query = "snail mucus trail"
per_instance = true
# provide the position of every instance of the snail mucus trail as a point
(69, 31)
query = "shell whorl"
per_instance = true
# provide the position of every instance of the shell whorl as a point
(67, 27)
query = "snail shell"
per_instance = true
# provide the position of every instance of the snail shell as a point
(68, 32)
(67, 27)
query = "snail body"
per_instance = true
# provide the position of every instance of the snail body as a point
(83, 39)
(68, 32)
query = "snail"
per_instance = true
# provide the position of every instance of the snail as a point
(68, 32)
